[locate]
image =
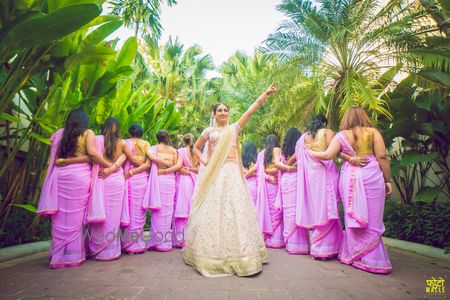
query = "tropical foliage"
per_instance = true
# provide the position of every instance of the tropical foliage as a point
(349, 45)
(140, 14)
(46, 75)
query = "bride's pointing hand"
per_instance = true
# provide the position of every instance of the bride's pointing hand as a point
(271, 90)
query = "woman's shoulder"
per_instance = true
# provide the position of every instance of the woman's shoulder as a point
(328, 131)
(372, 130)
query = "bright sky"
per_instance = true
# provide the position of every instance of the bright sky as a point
(220, 27)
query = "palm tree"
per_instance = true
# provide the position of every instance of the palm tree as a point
(140, 13)
(351, 43)
(179, 75)
(244, 77)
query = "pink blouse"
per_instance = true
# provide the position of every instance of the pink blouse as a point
(213, 134)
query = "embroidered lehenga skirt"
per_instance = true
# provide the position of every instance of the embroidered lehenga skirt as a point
(223, 236)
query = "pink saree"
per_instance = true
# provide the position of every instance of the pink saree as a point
(160, 200)
(133, 235)
(183, 199)
(296, 238)
(64, 197)
(269, 213)
(252, 184)
(317, 202)
(109, 211)
(362, 192)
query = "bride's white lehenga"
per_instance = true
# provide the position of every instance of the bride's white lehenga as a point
(223, 234)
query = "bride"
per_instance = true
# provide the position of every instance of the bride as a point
(223, 234)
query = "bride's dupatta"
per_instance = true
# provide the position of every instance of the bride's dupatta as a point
(212, 169)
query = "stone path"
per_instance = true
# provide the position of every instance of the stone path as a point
(155, 275)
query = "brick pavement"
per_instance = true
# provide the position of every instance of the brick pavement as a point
(155, 275)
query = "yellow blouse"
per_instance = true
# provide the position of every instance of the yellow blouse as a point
(364, 146)
(140, 149)
(320, 144)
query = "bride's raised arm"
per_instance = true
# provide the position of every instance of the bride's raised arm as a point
(254, 107)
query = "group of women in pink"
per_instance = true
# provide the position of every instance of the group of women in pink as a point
(296, 190)
(99, 188)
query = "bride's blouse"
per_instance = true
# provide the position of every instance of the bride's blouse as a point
(213, 134)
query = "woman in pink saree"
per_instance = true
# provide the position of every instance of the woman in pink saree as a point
(185, 183)
(296, 238)
(249, 156)
(317, 193)
(111, 210)
(65, 191)
(136, 177)
(270, 212)
(160, 193)
(362, 190)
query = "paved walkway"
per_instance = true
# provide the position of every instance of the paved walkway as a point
(154, 275)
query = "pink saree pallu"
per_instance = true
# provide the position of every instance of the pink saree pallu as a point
(296, 238)
(133, 235)
(183, 200)
(252, 184)
(363, 193)
(64, 197)
(270, 213)
(108, 210)
(317, 202)
(159, 198)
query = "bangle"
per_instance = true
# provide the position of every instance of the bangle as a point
(388, 180)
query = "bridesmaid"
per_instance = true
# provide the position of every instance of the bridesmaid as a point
(110, 209)
(317, 196)
(185, 178)
(160, 193)
(363, 190)
(269, 210)
(136, 177)
(296, 238)
(249, 156)
(65, 191)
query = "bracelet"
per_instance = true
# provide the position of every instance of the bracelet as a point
(388, 180)
(131, 173)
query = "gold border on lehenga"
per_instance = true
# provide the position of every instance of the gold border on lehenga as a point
(241, 265)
